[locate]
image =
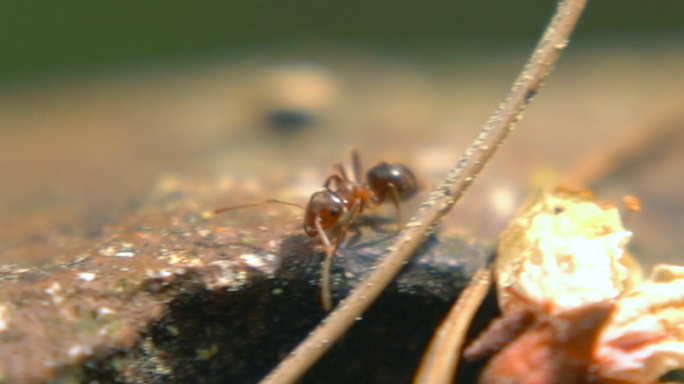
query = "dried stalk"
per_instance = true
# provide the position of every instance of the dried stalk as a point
(441, 200)
(442, 355)
(633, 148)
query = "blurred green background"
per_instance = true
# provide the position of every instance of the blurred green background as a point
(39, 38)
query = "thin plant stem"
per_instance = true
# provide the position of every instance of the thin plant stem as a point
(440, 201)
(635, 147)
(442, 355)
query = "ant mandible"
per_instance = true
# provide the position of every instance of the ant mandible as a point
(332, 209)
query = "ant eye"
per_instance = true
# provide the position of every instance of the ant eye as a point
(558, 210)
(335, 211)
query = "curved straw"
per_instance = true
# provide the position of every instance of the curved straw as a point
(441, 200)
(442, 355)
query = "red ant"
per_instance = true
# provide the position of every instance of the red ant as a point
(332, 209)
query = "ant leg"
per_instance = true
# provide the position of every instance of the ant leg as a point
(326, 291)
(249, 205)
(342, 171)
(356, 209)
(326, 294)
(395, 200)
(356, 163)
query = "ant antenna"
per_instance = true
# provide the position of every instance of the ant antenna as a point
(356, 167)
(342, 171)
(258, 203)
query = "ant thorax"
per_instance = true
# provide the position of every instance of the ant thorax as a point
(563, 251)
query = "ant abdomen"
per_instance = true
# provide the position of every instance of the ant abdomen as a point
(384, 177)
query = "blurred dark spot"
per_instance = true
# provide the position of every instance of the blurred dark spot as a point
(676, 376)
(289, 120)
(95, 222)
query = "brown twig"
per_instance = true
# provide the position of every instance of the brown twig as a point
(631, 149)
(441, 200)
(442, 355)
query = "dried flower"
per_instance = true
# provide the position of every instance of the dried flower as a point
(644, 336)
(564, 251)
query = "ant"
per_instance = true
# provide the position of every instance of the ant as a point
(332, 209)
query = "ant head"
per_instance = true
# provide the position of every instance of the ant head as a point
(382, 175)
(326, 205)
